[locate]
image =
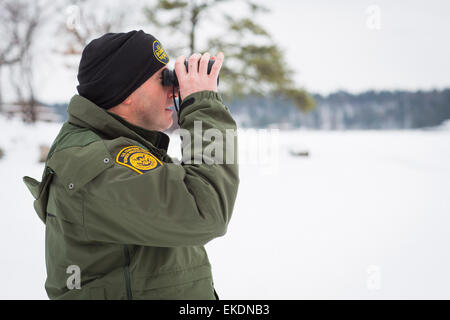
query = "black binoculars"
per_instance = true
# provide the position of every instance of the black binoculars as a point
(169, 77)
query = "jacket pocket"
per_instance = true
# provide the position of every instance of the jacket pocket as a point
(39, 190)
(64, 207)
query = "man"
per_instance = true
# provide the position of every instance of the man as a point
(123, 221)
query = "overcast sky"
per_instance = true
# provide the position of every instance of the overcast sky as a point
(336, 45)
(353, 45)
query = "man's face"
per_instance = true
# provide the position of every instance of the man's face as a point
(150, 104)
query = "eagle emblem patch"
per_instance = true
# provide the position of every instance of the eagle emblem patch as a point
(159, 52)
(138, 159)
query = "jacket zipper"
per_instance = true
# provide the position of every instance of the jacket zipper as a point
(127, 272)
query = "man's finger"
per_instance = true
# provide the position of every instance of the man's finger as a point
(193, 63)
(204, 63)
(180, 68)
(217, 65)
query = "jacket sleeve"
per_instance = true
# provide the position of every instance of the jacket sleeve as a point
(183, 204)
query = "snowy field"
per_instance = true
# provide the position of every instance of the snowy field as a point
(365, 216)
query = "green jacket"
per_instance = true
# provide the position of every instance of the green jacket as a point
(117, 207)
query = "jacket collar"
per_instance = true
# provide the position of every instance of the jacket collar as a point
(84, 113)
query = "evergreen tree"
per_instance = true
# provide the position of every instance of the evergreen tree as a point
(255, 64)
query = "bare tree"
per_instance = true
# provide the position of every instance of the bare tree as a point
(19, 22)
(83, 21)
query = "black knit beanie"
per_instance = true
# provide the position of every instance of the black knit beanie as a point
(116, 64)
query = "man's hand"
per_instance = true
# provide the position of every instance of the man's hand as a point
(197, 78)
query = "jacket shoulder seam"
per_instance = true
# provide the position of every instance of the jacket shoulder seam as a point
(68, 134)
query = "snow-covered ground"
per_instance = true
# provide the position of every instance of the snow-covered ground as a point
(366, 215)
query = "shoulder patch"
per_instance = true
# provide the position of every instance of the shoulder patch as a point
(138, 159)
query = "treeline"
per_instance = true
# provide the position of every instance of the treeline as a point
(343, 110)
